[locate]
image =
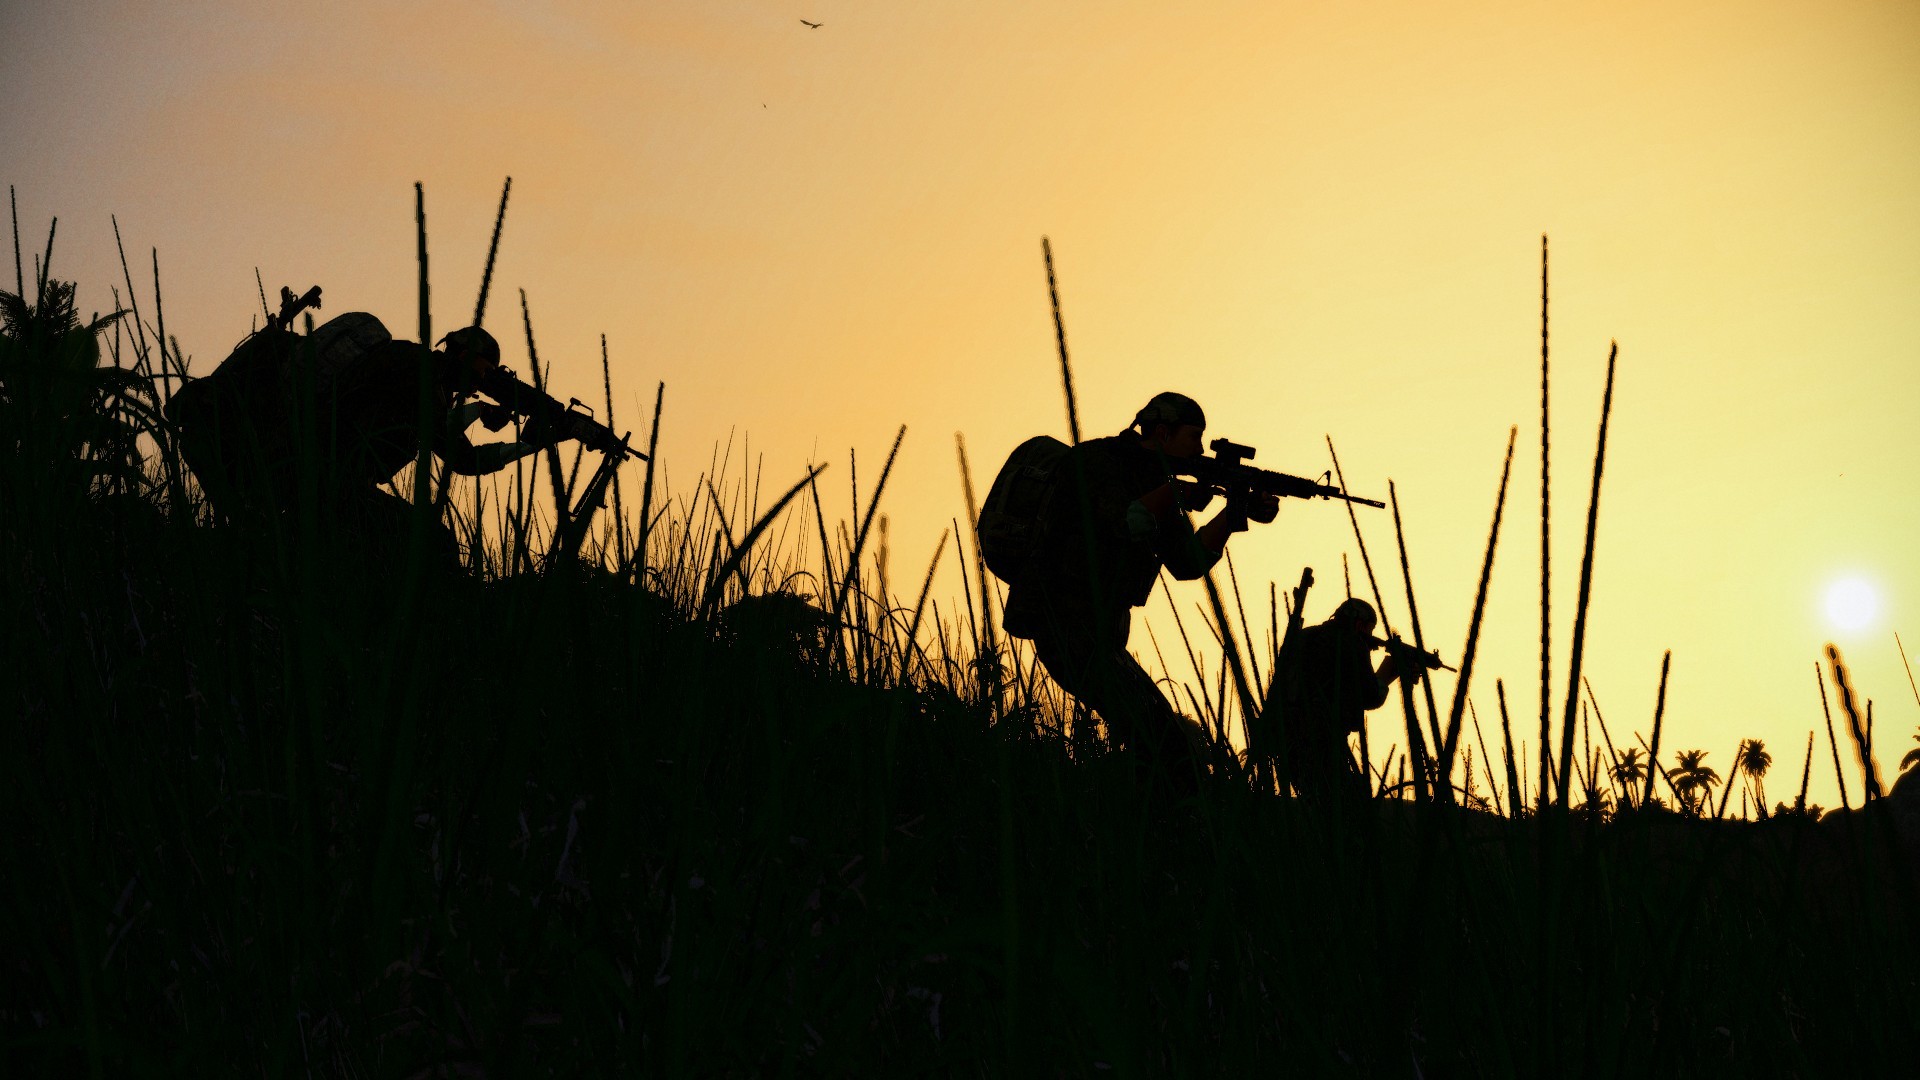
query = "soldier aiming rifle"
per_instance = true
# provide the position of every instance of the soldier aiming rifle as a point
(1324, 684)
(348, 407)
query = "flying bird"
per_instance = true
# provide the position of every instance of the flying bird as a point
(810, 25)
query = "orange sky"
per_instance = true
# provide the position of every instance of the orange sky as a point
(1316, 219)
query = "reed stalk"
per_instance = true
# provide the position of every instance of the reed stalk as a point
(133, 298)
(606, 382)
(1516, 798)
(1862, 737)
(1659, 713)
(1468, 654)
(19, 274)
(493, 251)
(1902, 650)
(1417, 745)
(1486, 759)
(1833, 744)
(1246, 629)
(1586, 578)
(988, 635)
(1612, 754)
(646, 489)
(1192, 658)
(43, 270)
(1060, 338)
(1546, 539)
(1233, 664)
(717, 585)
(539, 375)
(926, 587)
(1733, 777)
(1413, 608)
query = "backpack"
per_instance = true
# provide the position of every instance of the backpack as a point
(234, 423)
(1011, 522)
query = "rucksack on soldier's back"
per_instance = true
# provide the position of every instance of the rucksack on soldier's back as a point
(234, 421)
(1011, 519)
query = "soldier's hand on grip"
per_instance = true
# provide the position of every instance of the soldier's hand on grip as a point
(1194, 495)
(541, 431)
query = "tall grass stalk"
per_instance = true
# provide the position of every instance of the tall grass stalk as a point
(1659, 714)
(1908, 668)
(19, 274)
(646, 488)
(1060, 338)
(1486, 759)
(1471, 650)
(717, 585)
(133, 298)
(1413, 608)
(1417, 746)
(1732, 778)
(990, 639)
(1833, 744)
(1862, 736)
(493, 251)
(1613, 754)
(1516, 798)
(1546, 540)
(1586, 579)
(552, 453)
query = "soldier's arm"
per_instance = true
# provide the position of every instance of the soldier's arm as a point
(463, 457)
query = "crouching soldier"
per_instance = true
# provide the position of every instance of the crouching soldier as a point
(1112, 518)
(381, 403)
(267, 426)
(1324, 684)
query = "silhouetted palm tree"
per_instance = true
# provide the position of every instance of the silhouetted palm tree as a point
(1753, 760)
(1693, 780)
(1630, 770)
(1913, 755)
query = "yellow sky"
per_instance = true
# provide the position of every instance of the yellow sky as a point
(1316, 219)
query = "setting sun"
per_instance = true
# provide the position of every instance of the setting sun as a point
(1852, 603)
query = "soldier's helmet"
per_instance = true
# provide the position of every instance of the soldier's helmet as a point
(1355, 610)
(473, 342)
(1169, 408)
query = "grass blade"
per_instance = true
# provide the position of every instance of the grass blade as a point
(1472, 649)
(1060, 337)
(1586, 580)
(493, 250)
(717, 584)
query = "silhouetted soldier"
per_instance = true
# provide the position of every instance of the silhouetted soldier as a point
(377, 403)
(1325, 683)
(289, 418)
(1114, 517)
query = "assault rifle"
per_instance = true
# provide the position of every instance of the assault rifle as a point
(1228, 471)
(1411, 654)
(291, 305)
(545, 413)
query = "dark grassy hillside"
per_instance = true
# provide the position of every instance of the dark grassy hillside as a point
(273, 806)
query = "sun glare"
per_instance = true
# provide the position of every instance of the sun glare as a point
(1852, 603)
